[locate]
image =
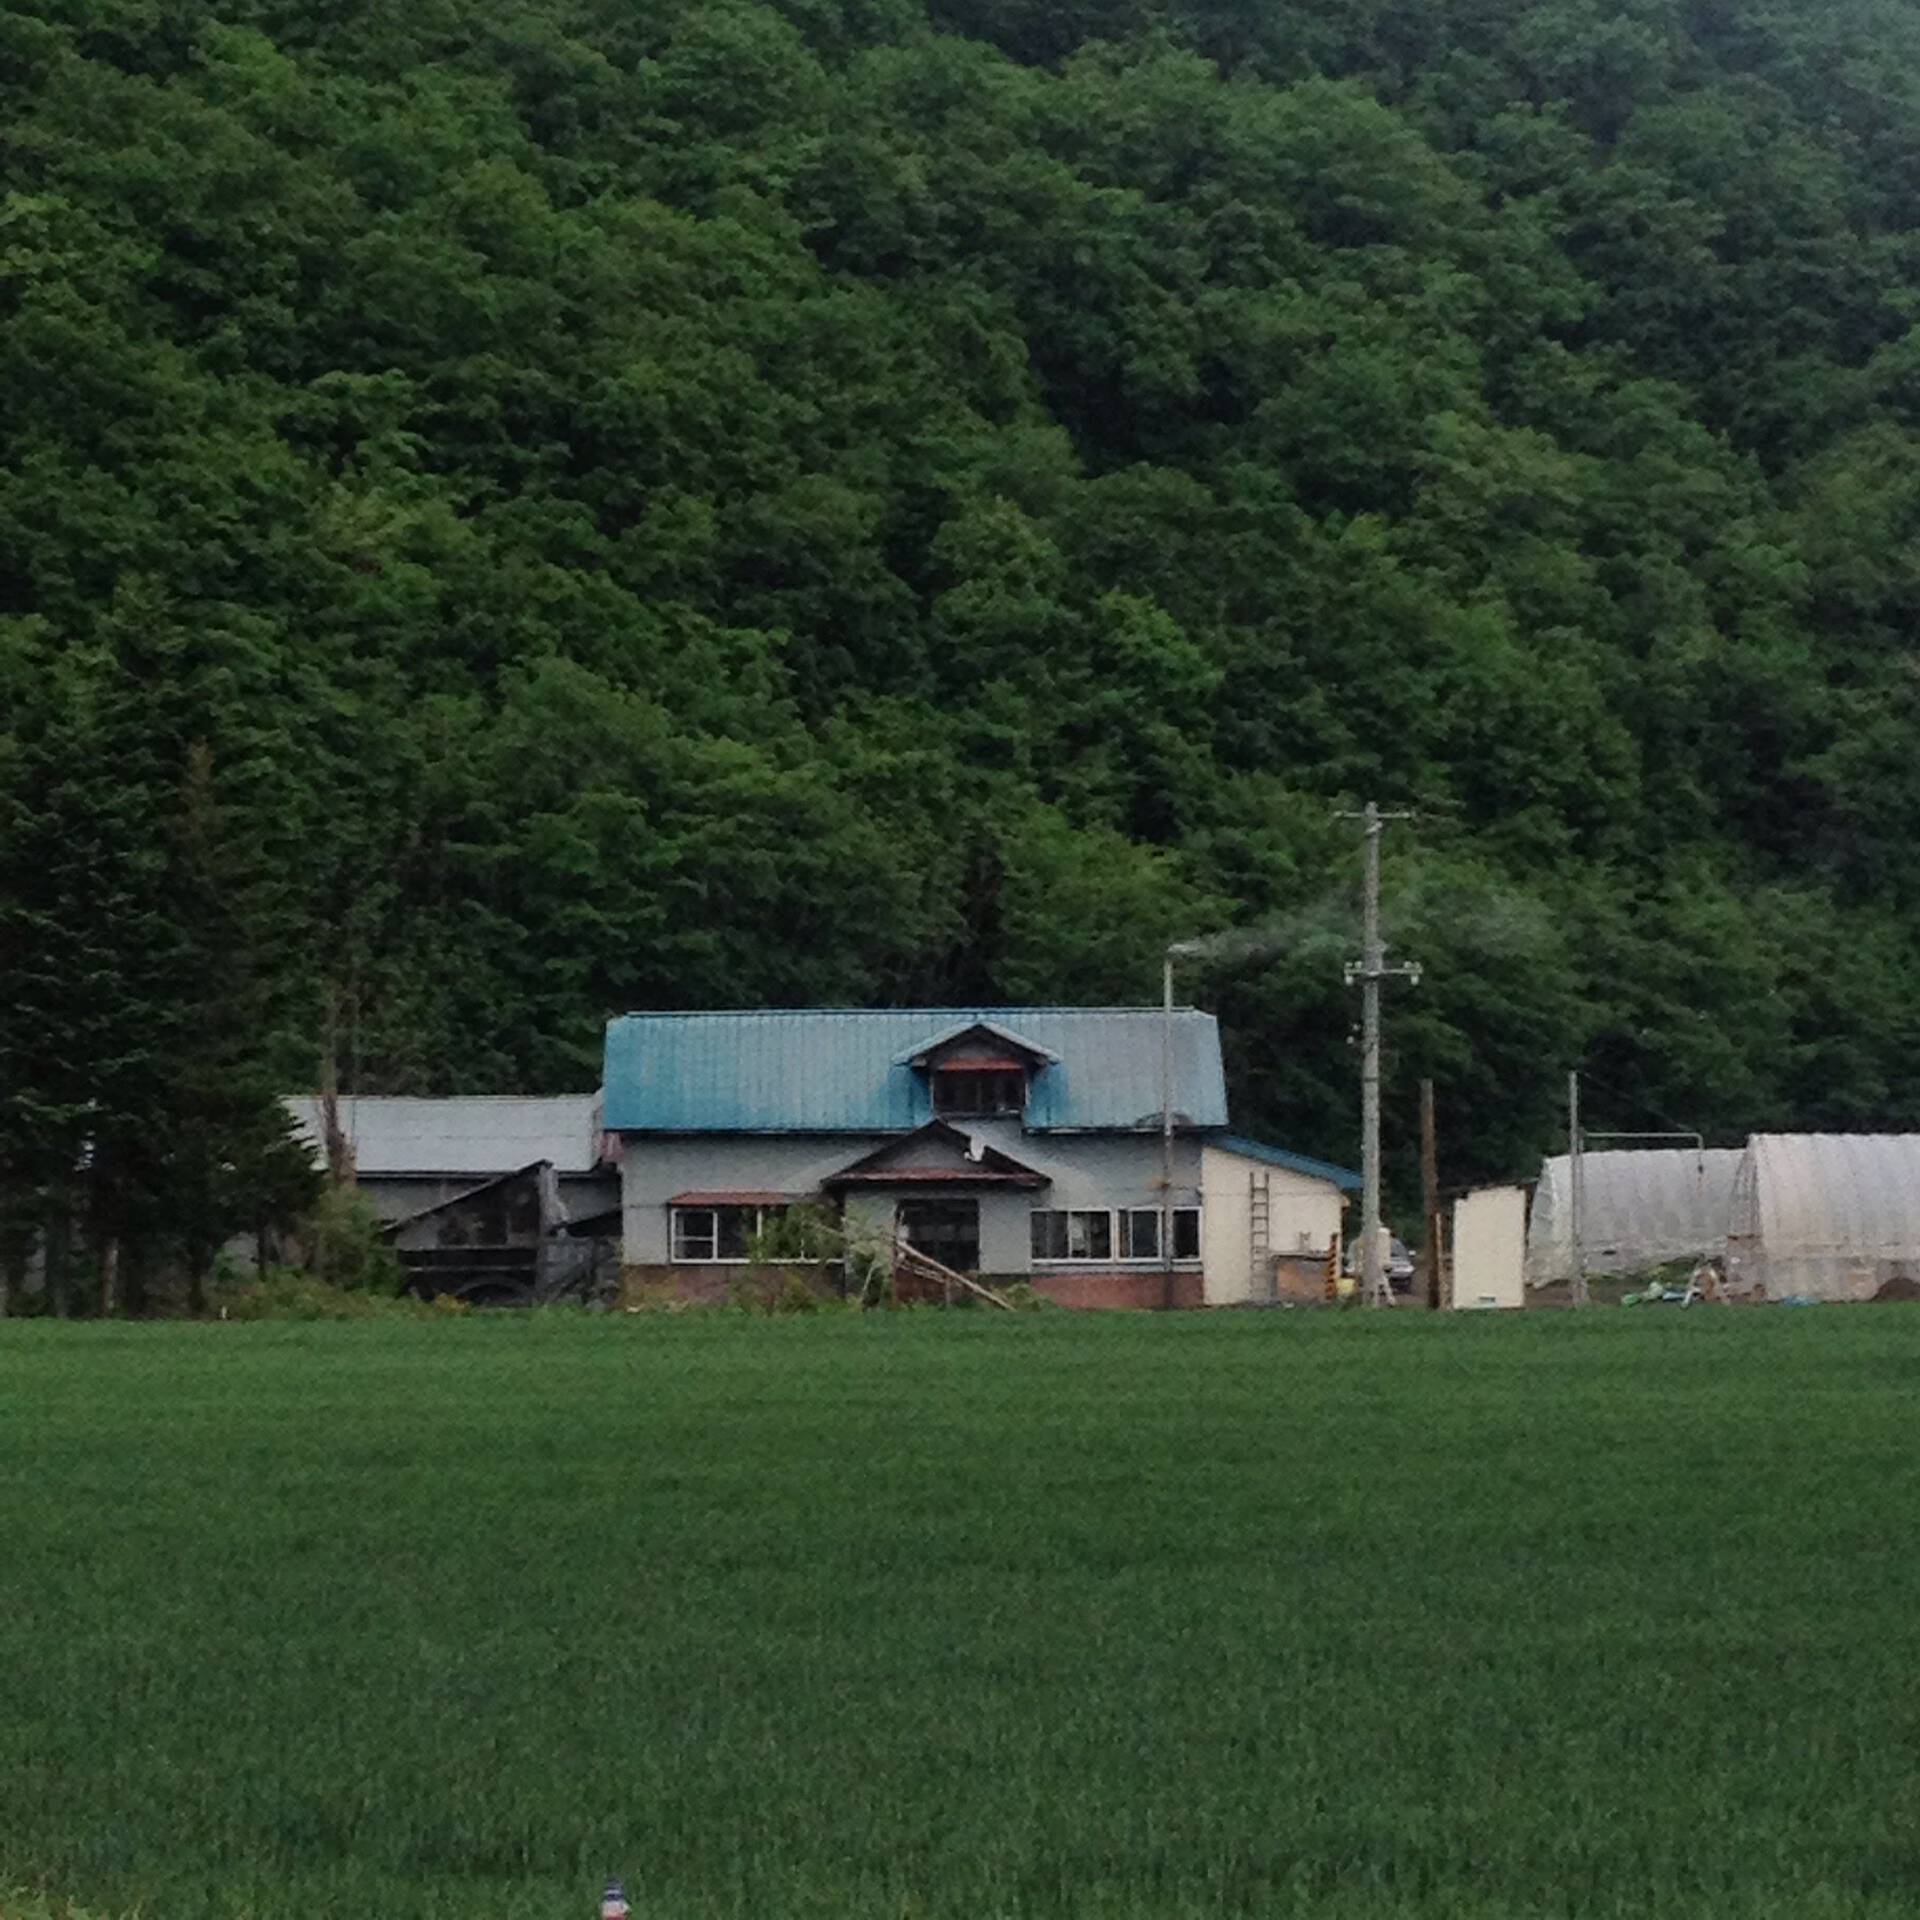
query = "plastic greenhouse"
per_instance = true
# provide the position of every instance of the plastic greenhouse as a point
(1640, 1207)
(1825, 1216)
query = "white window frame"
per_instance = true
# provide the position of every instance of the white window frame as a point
(1125, 1227)
(1123, 1236)
(1117, 1236)
(678, 1217)
(1070, 1215)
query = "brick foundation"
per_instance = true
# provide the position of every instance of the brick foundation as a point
(1119, 1290)
(1107, 1289)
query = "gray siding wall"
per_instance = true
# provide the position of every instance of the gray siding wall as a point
(1097, 1169)
(652, 1171)
(1087, 1170)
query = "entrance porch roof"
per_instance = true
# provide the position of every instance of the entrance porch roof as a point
(936, 1155)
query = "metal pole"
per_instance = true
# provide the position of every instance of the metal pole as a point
(1166, 1120)
(1576, 1203)
(1373, 959)
(1430, 1191)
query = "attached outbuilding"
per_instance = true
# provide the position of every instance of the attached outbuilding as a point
(1825, 1216)
(1272, 1221)
(495, 1199)
(1639, 1208)
(411, 1154)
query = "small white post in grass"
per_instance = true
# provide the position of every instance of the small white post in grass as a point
(613, 1903)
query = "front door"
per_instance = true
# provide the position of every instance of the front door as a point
(944, 1230)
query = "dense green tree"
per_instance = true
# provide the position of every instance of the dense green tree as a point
(514, 511)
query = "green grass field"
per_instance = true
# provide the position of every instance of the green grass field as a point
(913, 1615)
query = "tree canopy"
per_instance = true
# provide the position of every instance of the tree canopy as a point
(514, 511)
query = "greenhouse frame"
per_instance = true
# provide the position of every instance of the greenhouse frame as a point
(1640, 1208)
(1825, 1216)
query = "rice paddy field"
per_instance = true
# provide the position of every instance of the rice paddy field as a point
(943, 1617)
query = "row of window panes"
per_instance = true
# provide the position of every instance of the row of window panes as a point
(1074, 1233)
(718, 1233)
(728, 1233)
(998, 1091)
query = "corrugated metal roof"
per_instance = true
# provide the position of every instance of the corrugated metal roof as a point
(841, 1071)
(1343, 1177)
(478, 1134)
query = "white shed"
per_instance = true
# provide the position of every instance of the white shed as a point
(1825, 1216)
(1264, 1211)
(1490, 1248)
(1639, 1208)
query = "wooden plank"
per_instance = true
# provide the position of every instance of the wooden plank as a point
(948, 1275)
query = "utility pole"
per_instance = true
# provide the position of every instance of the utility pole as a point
(1430, 1192)
(1166, 1122)
(1369, 971)
(1577, 1189)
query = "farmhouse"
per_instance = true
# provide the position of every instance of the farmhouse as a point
(411, 1154)
(1019, 1143)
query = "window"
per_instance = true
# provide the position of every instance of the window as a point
(1060, 1234)
(1140, 1233)
(1186, 1233)
(718, 1233)
(970, 1090)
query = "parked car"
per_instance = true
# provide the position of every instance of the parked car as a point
(1401, 1265)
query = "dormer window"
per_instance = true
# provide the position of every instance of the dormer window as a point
(979, 1087)
(979, 1069)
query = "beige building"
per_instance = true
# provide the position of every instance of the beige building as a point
(1269, 1219)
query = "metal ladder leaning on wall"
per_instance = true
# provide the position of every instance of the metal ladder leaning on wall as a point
(1259, 1239)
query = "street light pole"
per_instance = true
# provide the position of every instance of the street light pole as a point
(1178, 950)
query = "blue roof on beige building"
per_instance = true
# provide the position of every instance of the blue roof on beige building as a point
(1343, 1177)
(840, 1071)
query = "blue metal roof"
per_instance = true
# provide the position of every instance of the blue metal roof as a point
(1294, 1162)
(838, 1071)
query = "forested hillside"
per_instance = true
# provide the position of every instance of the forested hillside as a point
(521, 509)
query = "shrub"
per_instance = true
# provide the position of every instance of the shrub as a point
(345, 1247)
(294, 1293)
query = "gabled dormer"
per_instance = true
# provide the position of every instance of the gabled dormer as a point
(978, 1070)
